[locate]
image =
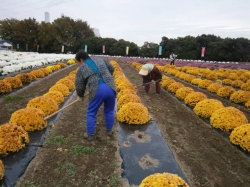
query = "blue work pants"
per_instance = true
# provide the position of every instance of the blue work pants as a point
(105, 95)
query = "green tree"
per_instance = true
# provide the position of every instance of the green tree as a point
(47, 41)
(7, 30)
(81, 32)
(149, 50)
(26, 33)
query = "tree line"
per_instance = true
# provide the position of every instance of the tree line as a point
(30, 35)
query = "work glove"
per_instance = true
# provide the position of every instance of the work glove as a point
(79, 98)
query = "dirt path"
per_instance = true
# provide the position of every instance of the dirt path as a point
(67, 159)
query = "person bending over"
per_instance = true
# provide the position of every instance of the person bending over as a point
(96, 73)
(150, 72)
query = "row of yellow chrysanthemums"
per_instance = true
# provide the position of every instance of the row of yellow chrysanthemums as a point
(14, 135)
(237, 96)
(235, 78)
(239, 80)
(228, 119)
(129, 105)
(222, 73)
(133, 112)
(10, 83)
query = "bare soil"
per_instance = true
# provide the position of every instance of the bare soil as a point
(206, 157)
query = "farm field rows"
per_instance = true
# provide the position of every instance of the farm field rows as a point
(205, 157)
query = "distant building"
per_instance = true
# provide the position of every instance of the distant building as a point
(47, 17)
(96, 32)
(4, 45)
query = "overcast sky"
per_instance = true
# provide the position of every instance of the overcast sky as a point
(139, 21)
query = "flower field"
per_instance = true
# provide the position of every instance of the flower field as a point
(209, 151)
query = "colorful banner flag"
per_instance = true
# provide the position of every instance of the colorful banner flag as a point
(160, 50)
(62, 48)
(203, 49)
(103, 49)
(127, 49)
(85, 48)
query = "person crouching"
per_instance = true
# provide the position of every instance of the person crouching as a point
(150, 72)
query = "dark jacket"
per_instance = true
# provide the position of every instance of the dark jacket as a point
(86, 76)
(155, 75)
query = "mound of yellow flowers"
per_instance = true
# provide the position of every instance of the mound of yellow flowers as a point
(225, 91)
(126, 98)
(228, 118)
(61, 88)
(241, 136)
(214, 87)
(163, 180)
(133, 113)
(14, 82)
(5, 87)
(46, 104)
(71, 61)
(67, 82)
(206, 107)
(12, 138)
(125, 91)
(1, 170)
(56, 95)
(30, 119)
(174, 86)
(38, 73)
(240, 96)
(26, 77)
(182, 92)
(193, 98)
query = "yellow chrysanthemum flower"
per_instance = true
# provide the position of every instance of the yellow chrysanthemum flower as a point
(165, 83)
(71, 61)
(61, 88)
(68, 83)
(12, 138)
(240, 96)
(133, 114)
(193, 98)
(245, 86)
(227, 82)
(56, 95)
(205, 83)
(26, 77)
(182, 92)
(225, 91)
(241, 136)
(5, 87)
(174, 87)
(228, 118)
(126, 98)
(237, 83)
(206, 107)
(50, 68)
(45, 71)
(46, 104)
(1, 170)
(13, 81)
(214, 87)
(125, 91)
(38, 73)
(57, 67)
(61, 64)
(30, 119)
(163, 180)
